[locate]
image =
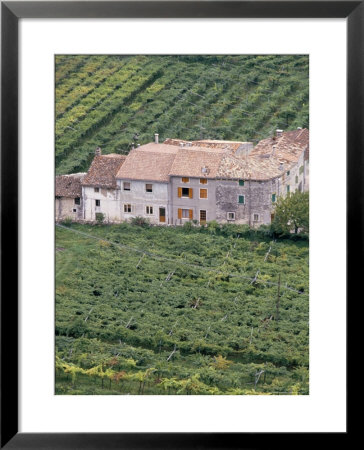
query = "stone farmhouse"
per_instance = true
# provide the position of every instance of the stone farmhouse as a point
(178, 181)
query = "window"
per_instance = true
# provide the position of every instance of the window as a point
(203, 180)
(185, 180)
(256, 217)
(126, 186)
(203, 193)
(296, 179)
(149, 209)
(185, 213)
(184, 192)
(97, 189)
(77, 201)
(287, 188)
(149, 188)
(74, 210)
(241, 182)
(202, 216)
(241, 199)
(127, 208)
(273, 198)
(230, 216)
(288, 172)
(97, 202)
(301, 170)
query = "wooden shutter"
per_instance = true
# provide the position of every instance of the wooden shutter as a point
(180, 213)
(179, 192)
(190, 193)
(191, 214)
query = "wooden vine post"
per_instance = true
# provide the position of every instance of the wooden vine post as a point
(278, 298)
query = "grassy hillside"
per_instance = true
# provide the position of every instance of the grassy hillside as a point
(164, 310)
(104, 100)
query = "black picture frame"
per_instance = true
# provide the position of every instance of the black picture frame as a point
(11, 12)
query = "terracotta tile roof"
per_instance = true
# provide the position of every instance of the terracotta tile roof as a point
(69, 185)
(190, 161)
(103, 170)
(253, 168)
(150, 162)
(288, 147)
(156, 162)
(265, 162)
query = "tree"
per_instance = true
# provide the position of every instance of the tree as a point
(292, 213)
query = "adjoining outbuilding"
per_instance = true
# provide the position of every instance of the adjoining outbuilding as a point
(68, 193)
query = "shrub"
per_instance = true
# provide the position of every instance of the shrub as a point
(67, 222)
(188, 226)
(100, 217)
(140, 221)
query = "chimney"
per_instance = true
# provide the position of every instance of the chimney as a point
(98, 151)
(156, 138)
(279, 133)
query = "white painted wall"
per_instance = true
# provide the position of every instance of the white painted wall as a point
(109, 204)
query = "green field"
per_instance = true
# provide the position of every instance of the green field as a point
(186, 310)
(104, 100)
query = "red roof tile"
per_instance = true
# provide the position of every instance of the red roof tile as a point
(103, 171)
(69, 185)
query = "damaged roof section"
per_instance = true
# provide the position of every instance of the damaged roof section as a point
(103, 171)
(223, 145)
(252, 168)
(69, 185)
(287, 148)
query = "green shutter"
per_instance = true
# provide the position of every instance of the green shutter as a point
(288, 188)
(241, 199)
(241, 182)
(273, 198)
(288, 172)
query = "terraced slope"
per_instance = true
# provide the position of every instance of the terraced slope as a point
(105, 100)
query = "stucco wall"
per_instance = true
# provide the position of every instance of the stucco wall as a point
(65, 208)
(195, 203)
(139, 199)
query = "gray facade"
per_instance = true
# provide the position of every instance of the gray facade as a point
(196, 204)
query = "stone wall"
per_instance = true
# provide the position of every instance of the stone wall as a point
(257, 206)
